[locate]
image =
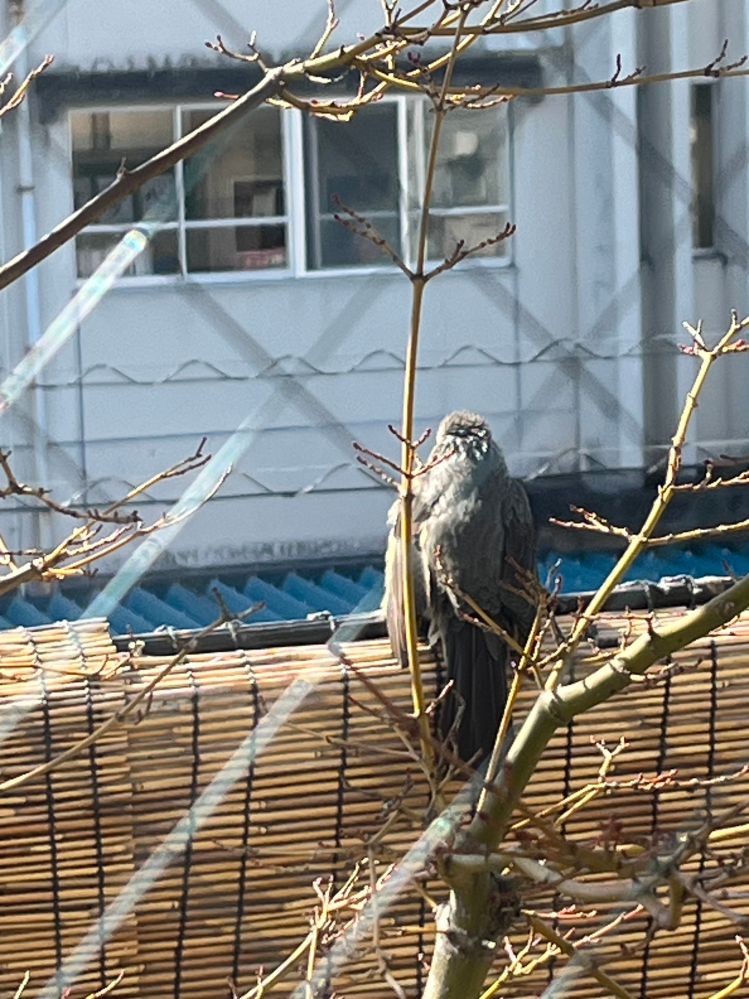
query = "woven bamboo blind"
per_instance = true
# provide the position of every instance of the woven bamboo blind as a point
(237, 896)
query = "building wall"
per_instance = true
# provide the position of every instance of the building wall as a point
(568, 346)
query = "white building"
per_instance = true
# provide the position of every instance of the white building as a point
(251, 306)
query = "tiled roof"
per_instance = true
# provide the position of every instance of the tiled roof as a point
(168, 603)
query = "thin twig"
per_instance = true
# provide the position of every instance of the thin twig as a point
(331, 23)
(267, 983)
(109, 987)
(449, 582)
(21, 91)
(603, 979)
(27, 975)
(639, 541)
(741, 979)
(462, 251)
(115, 719)
(361, 226)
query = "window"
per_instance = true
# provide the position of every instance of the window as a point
(703, 188)
(376, 165)
(234, 197)
(229, 209)
(469, 199)
(356, 161)
(221, 210)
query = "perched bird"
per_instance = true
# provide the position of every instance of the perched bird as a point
(471, 518)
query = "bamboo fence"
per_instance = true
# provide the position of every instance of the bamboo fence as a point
(237, 894)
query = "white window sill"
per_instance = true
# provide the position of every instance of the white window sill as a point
(486, 263)
(274, 275)
(224, 277)
(709, 253)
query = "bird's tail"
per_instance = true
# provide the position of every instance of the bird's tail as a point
(477, 664)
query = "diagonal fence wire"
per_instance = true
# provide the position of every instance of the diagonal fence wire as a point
(441, 830)
(67, 321)
(177, 518)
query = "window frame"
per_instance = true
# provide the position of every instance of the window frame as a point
(293, 147)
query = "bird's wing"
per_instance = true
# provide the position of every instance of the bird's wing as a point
(478, 661)
(520, 549)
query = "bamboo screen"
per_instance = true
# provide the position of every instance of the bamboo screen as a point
(237, 895)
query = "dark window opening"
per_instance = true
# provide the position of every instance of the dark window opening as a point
(703, 167)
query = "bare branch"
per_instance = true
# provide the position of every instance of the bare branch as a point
(698, 534)
(27, 975)
(218, 46)
(591, 522)
(567, 948)
(16, 488)
(331, 24)
(109, 987)
(461, 251)
(484, 620)
(115, 719)
(364, 228)
(85, 544)
(20, 94)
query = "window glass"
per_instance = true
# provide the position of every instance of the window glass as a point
(229, 248)
(469, 191)
(357, 162)
(240, 174)
(446, 231)
(160, 256)
(703, 182)
(238, 178)
(469, 163)
(225, 209)
(102, 142)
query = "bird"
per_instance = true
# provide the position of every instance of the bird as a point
(472, 528)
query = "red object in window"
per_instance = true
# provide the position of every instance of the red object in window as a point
(250, 260)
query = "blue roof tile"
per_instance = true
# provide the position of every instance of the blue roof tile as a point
(62, 608)
(22, 612)
(315, 596)
(737, 562)
(367, 594)
(123, 620)
(285, 607)
(333, 590)
(238, 602)
(372, 578)
(343, 587)
(202, 610)
(157, 611)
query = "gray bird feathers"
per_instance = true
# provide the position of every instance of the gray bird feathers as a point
(468, 508)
